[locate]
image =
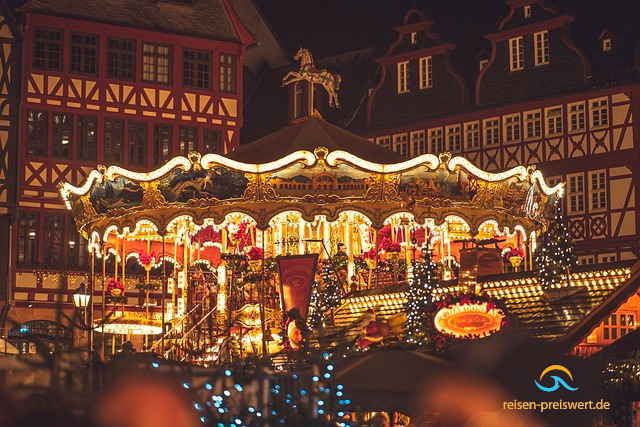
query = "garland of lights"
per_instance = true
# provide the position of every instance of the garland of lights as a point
(326, 293)
(555, 257)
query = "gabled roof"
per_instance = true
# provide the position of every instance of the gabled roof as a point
(212, 19)
(308, 134)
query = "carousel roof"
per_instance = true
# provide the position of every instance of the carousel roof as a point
(308, 133)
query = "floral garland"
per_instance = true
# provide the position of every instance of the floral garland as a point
(518, 252)
(254, 253)
(115, 292)
(442, 342)
(147, 259)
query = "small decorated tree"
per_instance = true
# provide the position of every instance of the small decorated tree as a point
(419, 297)
(327, 292)
(554, 257)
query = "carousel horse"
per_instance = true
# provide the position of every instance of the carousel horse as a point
(329, 81)
(229, 350)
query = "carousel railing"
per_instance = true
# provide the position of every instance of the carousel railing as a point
(193, 345)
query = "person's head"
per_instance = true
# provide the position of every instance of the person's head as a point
(341, 247)
(127, 346)
(381, 419)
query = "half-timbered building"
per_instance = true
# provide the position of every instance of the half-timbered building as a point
(109, 82)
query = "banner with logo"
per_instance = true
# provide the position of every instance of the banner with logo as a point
(297, 273)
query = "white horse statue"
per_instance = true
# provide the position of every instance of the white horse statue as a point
(329, 81)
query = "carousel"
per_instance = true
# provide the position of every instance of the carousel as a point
(185, 255)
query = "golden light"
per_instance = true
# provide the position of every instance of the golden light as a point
(466, 320)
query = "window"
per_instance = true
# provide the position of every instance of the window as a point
(400, 143)
(607, 258)
(426, 74)
(27, 237)
(483, 63)
(576, 116)
(576, 193)
(584, 260)
(78, 252)
(113, 141)
(599, 112)
(61, 135)
(403, 85)
(227, 73)
(516, 54)
(414, 38)
(417, 142)
(492, 131)
(618, 325)
(532, 124)
(212, 141)
(137, 143)
(161, 144)
(120, 59)
(472, 135)
(84, 53)
(47, 49)
(597, 190)
(435, 140)
(512, 128)
(384, 141)
(527, 11)
(541, 41)
(196, 69)
(553, 181)
(606, 45)
(53, 232)
(156, 63)
(454, 138)
(37, 133)
(188, 139)
(87, 128)
(553, 117)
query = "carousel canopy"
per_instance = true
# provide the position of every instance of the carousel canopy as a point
(317, 170)
(308, 133)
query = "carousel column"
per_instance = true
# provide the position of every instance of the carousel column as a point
(162, 298)
(222, 280)
(90, 320)
(351, 267)
(261, 296)
(103, 349)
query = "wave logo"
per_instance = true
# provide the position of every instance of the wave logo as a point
(558, 381)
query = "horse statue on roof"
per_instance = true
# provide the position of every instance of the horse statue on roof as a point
(329, 81)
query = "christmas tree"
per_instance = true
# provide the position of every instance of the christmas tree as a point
(419, 297)
(554, 257)
(327, 294)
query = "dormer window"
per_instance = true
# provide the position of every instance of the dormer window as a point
(527, 11)
(606, 45)
(414, 38)
(403, 80)
(483, 63)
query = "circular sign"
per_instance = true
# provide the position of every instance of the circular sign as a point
(468, 320)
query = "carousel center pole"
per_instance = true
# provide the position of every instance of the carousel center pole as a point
(162, 299)
(261, 298)
(90, 322)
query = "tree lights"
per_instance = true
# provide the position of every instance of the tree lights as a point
(419, 296)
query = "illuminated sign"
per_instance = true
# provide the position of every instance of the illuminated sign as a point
(468, 320)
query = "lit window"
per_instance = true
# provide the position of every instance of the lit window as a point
(400, 143)
(435, 140)
(554, 120)
(61, 139)
(227, 73)
(599, 112)
(516, 54)
(212, 141)
(527, 11)
(532, 124)
(384, 141)
(472, 134)
(37, 131)
(87, 137)
(542, 47)
(512, 128)
(618, 324)
(491, 131)
(575, 191)
(483, 63)
(414, 38)
(188, 139)
(606, 45)
(156, 63)
(426, 73)
(597, 190)
(417, 142)
(28, 237)
(454, 139)
(576, 116)
(403, 85)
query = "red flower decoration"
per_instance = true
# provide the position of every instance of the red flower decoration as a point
(146, 258)
(254, 253)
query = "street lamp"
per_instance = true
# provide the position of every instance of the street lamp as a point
(81, 297)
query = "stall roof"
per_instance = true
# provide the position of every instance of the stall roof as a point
(309, 133)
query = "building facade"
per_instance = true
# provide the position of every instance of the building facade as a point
(131, 84)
